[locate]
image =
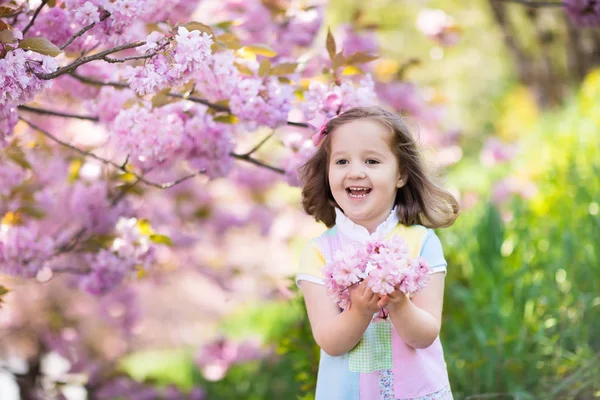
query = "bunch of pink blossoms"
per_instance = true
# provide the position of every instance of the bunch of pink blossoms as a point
(384, 266)
(190, 50)
(23, 250)
(331, 100)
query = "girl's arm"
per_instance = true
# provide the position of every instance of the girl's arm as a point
(338, 332)
(418, 320)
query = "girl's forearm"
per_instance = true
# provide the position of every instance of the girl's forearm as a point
(339, 335)
(415, 326)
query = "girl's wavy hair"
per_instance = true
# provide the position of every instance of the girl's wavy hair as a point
(419, 201)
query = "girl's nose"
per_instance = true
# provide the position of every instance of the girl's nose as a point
(357, 172)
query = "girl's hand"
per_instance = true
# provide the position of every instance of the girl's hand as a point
(394, 301)
(364, 300)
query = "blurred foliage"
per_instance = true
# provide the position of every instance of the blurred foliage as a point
(288, 371)
(522, 307)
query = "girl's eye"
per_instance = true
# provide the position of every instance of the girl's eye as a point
(371, 161)
(341, 162)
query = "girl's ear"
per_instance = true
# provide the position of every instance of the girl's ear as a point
(402, 179)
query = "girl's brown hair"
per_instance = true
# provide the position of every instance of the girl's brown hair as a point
(419, 201)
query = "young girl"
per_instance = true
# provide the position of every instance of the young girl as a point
(367, 180)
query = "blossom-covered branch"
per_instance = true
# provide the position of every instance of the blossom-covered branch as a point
(166, 185)
(104, 16)
(195, 99)
(84, 60)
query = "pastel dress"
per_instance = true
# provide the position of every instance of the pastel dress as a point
(381, 366)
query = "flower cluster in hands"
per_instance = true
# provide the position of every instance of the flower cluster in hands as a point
(383, 266)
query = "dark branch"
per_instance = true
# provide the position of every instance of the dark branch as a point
(140, 178)
(56, 113)
(299, 124)
(254, 161)
(84, 30)
(536, 4)
(214, 106)
(94, 82)
(84, 60)
(207, 103)
(35, 14)
(259, 145)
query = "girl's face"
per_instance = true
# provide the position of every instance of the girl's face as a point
(363, 172)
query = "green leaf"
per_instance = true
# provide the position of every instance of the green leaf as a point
(352, 70)
(199, 26)
(330, 43)
(145, 227)
(128, 177)
(3, 291)
(284, 69)
(161, 98)
(226, 119)
(51, 3)
(161, 239)
(40, 45)
(225, 25)
(244, 69)
(32, 212)
(230, 40)
(16, 155)
(97, 242)
(264, 68)
(74, 168)
(260, 50)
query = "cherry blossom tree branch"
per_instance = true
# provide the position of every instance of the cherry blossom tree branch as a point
(84, 60)
(56, 113)
(84, 30)
(165, 185)
(536, 4)
(259, 145)
(35, 14)
(214, 106)
(254, 161)
(103, 160)
(94, 82)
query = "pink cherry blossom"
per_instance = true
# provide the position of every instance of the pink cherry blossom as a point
(384, 265)
(23, 250)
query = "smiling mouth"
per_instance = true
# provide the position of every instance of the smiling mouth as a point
(358, 192)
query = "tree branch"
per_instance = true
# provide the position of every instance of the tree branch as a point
(536, 4)
(517, 52)
(35, 14)
(84, 30)
(84, 60)
(254, 161)
(94, 82)
(56, 113)
(259, 145)
(214, 106)
(140, 178)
